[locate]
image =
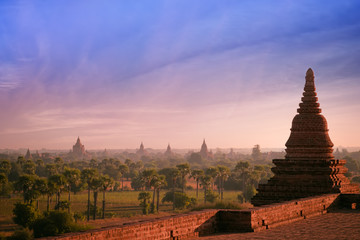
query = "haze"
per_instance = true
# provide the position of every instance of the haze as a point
(117, 73)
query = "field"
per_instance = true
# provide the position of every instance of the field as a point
(118, 205)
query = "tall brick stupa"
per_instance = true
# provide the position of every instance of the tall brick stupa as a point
(309, 167)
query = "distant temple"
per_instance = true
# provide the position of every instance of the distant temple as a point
(28, 155)
(309, 167)
(141, 150)
(168, 151)
(78, 149)
(204, 151)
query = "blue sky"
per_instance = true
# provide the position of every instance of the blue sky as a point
(120, 72)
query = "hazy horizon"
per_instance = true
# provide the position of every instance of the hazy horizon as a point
(118, 73)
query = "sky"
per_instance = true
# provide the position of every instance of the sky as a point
(118, 73)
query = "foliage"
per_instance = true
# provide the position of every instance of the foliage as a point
(25, 214)
(241, 198)
(55, 222)
(220, 205)
(211, 196)
(22, 234)
(181, 200)
(249, 192)
(62, 205)
(144, 198)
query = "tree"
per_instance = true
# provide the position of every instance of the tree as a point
(51, 169)
(58, 182)
(87, 176)
(25, 214)
(147, 175)
(184, 170)
(206, 183)
(157, 182)
(181, 200)
(249, 192)
(174, 174)
(5, 167)
(196, 175)
(40, 186)
(95, 185)
(3, 184)
(106, 183)
(26, 184)
(223, 175)
(213, 173)
(72, 177)
(243, 169)
(29, 167)
(144, 198)
(123, 168)
(21, 161)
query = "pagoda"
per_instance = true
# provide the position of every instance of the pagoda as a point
(78, 148)
(141, 150)
(204, 152)
(309, 167)
(168, 151)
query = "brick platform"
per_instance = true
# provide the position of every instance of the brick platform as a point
(207, 222)
(339, 224)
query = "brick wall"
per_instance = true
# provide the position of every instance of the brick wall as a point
(173, 227)
(264, 217)
(212, 221)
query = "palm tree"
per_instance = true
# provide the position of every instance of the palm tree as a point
(106, 182)
(184, 170)
(144, 198)
(87, 176)
(59, 183)
(50, 191)
(174, 173)
(243, 169)
(205, 182)
(147, 175)
(26, 184)
(95, 185)
(72, 177)
(158, 184)
(213, 173)
(196, 175)
(41, 187)
(123, 168)
(223, 175)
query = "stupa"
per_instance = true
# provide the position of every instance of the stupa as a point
(309, 167)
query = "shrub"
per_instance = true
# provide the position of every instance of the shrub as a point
(55, 222)
(211, 196)
(249, 192)
(144, 198)
(79, 216)
(181, 200)
(62, 205)
(241, 198)
(221, 205)
(25, 214)
(23, 234)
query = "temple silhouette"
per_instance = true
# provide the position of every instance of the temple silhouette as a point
(309, 167)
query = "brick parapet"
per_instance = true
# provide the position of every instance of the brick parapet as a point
(206, 222)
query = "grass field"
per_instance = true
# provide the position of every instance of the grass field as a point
(118, 204)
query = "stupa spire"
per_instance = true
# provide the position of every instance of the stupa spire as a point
(309, 167)
(309, 136)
